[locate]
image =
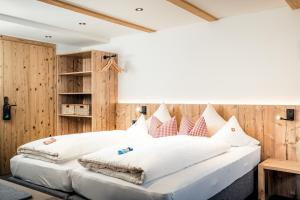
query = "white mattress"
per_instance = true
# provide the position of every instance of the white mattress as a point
(200, 181)
(51, 175)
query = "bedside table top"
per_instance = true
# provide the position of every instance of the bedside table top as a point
(281, 165)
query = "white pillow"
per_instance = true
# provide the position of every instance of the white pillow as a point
(233, 134)
(139, 127)
(162, 113)
(212, 119)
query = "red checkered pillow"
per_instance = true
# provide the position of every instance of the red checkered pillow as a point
(159, 129)
(187, 127)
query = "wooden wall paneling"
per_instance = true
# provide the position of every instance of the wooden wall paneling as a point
(280, 133)
(229, 110)
(251, 120)
(218, 108)
(99, 109)
(130, 114)
(104, 93)
(113, 97)
(297, 127)
(1, 103)
(269, 139)
(120, 117)
(291, 133)
(151, 109)
(134, 114)
(179, 112)
(259, 121)
(110, 102)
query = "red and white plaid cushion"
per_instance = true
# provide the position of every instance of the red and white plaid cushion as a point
(187, 127)
(159, 129)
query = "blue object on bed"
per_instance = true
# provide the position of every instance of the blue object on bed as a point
(122, 151)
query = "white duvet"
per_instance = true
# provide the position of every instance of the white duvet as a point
(68, 147)
(154, 159)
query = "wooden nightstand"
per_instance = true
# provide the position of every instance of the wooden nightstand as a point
(274, 165)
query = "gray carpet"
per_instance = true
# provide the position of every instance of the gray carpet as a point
(55, 193)
(9, 193)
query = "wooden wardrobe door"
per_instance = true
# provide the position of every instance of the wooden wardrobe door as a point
(28, 82)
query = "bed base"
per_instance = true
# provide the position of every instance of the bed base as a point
(242, 189)
(52, 192)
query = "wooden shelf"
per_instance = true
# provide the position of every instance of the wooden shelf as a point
(287, 166)
(75, 93)
(80, 82)
(82, 54)
(78, 116)
(87, 73)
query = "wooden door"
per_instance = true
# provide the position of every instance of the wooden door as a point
(28, 80)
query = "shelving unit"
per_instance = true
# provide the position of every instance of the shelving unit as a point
(81, 81)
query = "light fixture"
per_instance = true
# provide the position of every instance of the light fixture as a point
(142, 109)
(290, 115)
(139, 9)
(48, 36)
(82, 23)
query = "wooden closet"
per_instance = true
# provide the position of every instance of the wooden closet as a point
(82, 82)
(28, 79)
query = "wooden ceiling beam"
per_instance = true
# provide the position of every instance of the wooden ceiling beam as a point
(98, 15)
(294, 4)
(194, 10)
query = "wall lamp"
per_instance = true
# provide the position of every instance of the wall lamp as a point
(142, 110)
(290, 115)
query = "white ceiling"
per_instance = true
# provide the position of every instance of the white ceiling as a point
(33, 19)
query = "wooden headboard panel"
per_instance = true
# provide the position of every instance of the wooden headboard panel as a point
(277, 137)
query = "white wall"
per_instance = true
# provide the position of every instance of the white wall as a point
(250, 59)
(63, 48)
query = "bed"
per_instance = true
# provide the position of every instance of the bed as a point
(55, 174)
(50, 175)
(205, 180)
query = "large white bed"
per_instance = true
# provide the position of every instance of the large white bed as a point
(50, 175)
(55, 174)
(200, 181)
